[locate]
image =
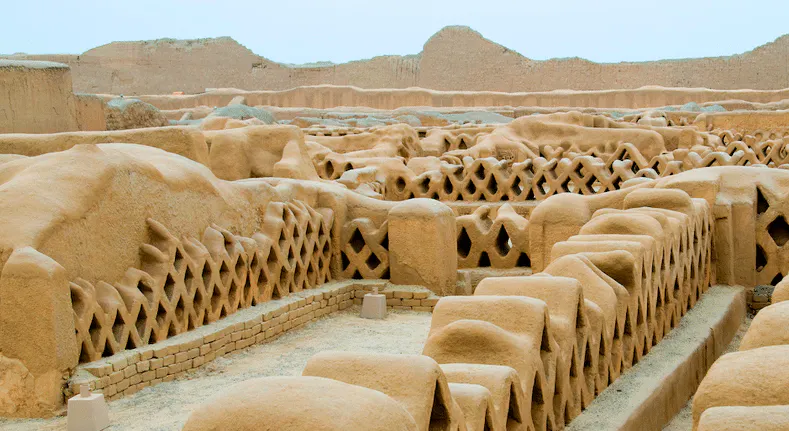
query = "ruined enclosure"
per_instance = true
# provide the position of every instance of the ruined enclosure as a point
(579, 259)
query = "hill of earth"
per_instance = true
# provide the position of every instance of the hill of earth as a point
(455, 58)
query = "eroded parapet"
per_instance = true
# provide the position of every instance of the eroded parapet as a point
(438, 141)
(569, 325)
(742, 418)
(302, 403)
(742, 121)
(508, 331)
(37, 342)
(755, 377)
(231, 154)
(414, 381)
(184, 141)
(259, 151)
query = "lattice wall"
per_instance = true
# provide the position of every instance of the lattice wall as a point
(751, 137)
(493, 180)
(365, 250)
(490, 237)
(185, 283)
(772, 234)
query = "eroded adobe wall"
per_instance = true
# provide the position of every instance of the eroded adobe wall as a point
(455, 58)
(127, 245)
(232, 154)
(332, 96)
(36, 97)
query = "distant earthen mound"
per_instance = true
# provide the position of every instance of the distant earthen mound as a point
(455, 58)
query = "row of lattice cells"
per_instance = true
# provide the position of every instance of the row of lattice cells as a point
(185, 283)
(498, 180)
(522, 352)
(580, 175)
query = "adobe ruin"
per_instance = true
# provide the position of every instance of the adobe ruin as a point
(557, 243)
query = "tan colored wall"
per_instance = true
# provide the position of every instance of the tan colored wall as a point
(185, 141)
(90, 112)
(332, 96)
(455, 58)
(36, 97)
(743, 121)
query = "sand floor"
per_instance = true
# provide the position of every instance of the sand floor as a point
(166, 407)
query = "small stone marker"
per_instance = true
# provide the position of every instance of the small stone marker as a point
(374, 305)
(87, 411)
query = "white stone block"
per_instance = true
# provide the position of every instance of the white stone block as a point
(87, 411)
(373, 306)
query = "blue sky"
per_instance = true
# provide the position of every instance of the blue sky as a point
(293, 31)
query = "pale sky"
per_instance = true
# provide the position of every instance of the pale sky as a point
(293, 31)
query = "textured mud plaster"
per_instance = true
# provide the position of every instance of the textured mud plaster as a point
(414, 381)
(183, 141)
(731, 418)
(422, 247)
(259, 151)
(755, 377)
(299, 403)
(33, 284)
(36, 97)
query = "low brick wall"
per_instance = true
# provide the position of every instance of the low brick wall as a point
(133, 370)
(416, 300)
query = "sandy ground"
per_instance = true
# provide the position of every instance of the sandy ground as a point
(683, 421)
(167, 406)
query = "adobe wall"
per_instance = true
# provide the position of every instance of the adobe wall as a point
(333, 96)
(36, 97)
(90, 112)
(455, 58)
